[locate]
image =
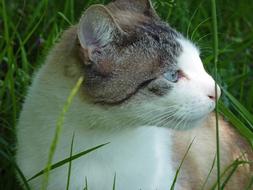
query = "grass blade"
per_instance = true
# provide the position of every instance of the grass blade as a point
(216, 54)
(59, 125)
(70, 162)
(38, 12)
(197, 27)
(236, 162)
(190, 22)
(205, 182)
(249, 187)
(114, 182)
(229, 175)
(67, 160)
(35, 22)
(69, 9)
(240, 108)
(242, 129)
(65, 18)
(20, 173)
(9, 81)
(182, 161)
(86, 184)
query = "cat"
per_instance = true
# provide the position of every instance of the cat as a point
(145, 91)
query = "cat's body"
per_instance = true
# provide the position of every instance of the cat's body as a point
(143, 152)
(136, 145)
(199, 161)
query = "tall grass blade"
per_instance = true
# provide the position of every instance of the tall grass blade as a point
(229, 175)
(9, 80)
(233, 119)
(69, 8)
(250, 185)
(29, 35)
(59, 126)
(6, 20)
(65, 18)
(236, 162)
(86, 184)
(114, 182)
(67, 160)
(178, 170)
(190, 22)
(20, 173)
(197, 27)
(35, 23)
(70, 162)
(216, 54)
(240, 108)
(37, 14)
(209, 173)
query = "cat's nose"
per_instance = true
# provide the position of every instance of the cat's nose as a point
(213, 95)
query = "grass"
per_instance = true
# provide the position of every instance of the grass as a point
(215, 61)
(180, 166)
(58, 129)
(28, 29)
(66, 161)
(70, 162)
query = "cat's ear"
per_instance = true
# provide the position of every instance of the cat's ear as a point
(142, 6)
(97, 28)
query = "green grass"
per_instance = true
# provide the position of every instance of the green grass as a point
(28, 29)
(180, 166)
(58, 129)
(215, 61)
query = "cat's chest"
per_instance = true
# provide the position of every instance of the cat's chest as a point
(144, 152)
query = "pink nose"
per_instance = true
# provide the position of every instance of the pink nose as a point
(213, 96)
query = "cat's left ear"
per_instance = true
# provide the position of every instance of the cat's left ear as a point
(141, 6)
(96, 29)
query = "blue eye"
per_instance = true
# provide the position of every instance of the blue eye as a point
(172, 76)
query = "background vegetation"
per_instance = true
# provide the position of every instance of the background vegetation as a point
(29, 28)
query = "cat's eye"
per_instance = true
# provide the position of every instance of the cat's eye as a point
(172, 76)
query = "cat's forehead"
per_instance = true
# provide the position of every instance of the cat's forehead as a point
(153, 35)
(130, 21)
(189, 58)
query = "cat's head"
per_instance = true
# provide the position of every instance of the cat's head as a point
(134, 61)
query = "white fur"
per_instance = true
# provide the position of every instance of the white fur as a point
(191, 93)
(141, 156)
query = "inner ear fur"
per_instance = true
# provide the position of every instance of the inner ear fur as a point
(97, 27)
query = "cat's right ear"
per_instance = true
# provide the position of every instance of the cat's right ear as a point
(96, 29)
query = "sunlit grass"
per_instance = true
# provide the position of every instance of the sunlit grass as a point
(58, 130)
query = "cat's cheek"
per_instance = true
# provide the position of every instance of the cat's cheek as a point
(190, 101)
(159, 87)
(211, 106)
